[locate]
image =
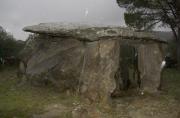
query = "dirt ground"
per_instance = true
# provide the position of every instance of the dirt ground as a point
(148, 107)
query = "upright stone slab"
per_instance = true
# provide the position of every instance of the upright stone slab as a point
(150, 58)
(100, 64)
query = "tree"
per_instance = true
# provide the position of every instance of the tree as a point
(146, 14)
(9, 46)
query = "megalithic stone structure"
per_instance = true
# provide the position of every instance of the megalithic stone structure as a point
(84, 58)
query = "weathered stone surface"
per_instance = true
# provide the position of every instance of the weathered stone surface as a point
(58, 61)
(150, 58)
(90, 33)
(101, 63)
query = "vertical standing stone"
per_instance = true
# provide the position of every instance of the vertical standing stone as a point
(102, 58)
(150, 58)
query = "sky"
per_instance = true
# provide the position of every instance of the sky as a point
(16, 14)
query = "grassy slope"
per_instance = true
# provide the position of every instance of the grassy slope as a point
(23, 101)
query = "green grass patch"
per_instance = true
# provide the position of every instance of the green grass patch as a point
(25, 100)
(171, 78)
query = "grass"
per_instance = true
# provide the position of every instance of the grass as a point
(171, 85)
(23, 101)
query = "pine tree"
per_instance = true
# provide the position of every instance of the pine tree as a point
(146, 14)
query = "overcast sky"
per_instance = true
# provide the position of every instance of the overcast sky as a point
(16, 14)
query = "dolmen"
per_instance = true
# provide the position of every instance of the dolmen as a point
(84, 59)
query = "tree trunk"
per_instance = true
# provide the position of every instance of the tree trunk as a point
(178, 49)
